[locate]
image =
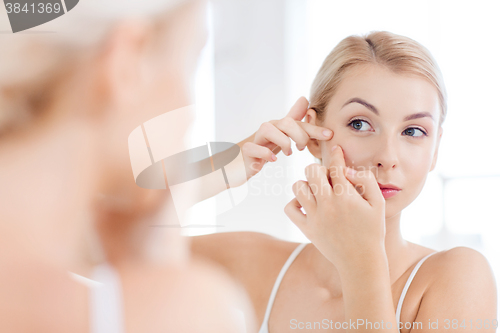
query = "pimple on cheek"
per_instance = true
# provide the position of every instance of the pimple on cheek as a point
(350, 162)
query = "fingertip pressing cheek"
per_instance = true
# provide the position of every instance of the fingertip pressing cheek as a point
(351, 152)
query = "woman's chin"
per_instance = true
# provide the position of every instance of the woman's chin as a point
(390, 210)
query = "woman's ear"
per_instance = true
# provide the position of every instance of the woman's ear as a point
(313, 144)
(434, 158)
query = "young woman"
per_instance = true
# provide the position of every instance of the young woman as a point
(69, 98)
(383, 97)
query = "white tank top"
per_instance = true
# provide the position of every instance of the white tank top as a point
(264, 327)
(106, 304)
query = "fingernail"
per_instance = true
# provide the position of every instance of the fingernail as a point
(273, 157)
(334, 147)
(327, 133)
(290, 152)
(351, 171)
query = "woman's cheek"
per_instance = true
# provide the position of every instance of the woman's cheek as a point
(416, 161)
(357, 154)
(357, 150)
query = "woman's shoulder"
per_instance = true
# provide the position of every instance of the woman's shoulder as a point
(454, 260)
(27, 303)
(459, 263)
(181, 290)
(451, 263)
(460, 284)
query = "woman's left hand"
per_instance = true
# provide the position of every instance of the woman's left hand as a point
(344, 219)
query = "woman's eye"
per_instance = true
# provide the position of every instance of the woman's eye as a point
(362, 125)
(359, 125)
(413, 131)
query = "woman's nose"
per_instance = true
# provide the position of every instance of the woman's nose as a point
(386, 156)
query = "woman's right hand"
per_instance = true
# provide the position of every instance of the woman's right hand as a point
(276, 135)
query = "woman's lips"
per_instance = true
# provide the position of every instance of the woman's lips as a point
(389, 192)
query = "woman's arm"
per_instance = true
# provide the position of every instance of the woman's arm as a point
(366, 289)
(262, 147)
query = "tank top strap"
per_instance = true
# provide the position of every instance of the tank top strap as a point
(291, 258)
(407, 285)
(105, 301)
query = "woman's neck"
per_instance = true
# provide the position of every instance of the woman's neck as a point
(128, 238)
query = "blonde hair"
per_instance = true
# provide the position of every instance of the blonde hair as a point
(400, 54)
(33, 62)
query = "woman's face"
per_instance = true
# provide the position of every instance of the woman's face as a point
(387, 123)
(153, 75)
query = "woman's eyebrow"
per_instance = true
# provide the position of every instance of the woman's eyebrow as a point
(374, 109)
(418, 115)
(362, 102)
